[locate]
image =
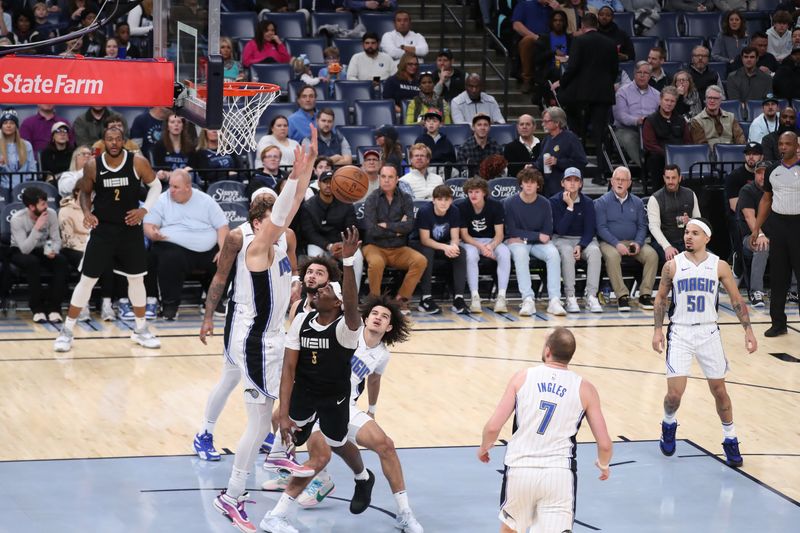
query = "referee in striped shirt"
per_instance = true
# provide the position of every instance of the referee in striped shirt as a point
(781, 197)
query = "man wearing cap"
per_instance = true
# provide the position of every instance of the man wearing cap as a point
(734, 181)
(474, 101)
(371, 164)
(479, 145)
(525, 148)
(787, 121)
(746, 213)
(420, 177)
(786, 83)
(326, 222)
(574, 224)
(713, 125)
(332, 144)
(748, 82)
(37, 129)
(371, 63)
(449, 80)
(89, 127)
(782, 199)
(767, 122)
(668, 210)
(442, 150)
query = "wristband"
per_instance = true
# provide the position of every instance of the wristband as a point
(601, 466)
(295, 279)
(371, 409)
(349, 261)
(761, 234)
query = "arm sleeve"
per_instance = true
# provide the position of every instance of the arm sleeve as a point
(497, 115)
(654, 223)
(697, 134)
(575, 157)
(217, 216)
(390, 47)
(408, 210)
(738, 133)
(547, 227)
(457, 112)
(352, 68)
(346, 336)
(249, 54)
(621, 110)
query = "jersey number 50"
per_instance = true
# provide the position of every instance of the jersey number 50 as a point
(549, 408)
(695, 303)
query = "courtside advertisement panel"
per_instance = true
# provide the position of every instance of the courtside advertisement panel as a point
(85, 81)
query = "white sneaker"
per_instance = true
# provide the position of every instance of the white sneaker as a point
(107, 313)
(63, 341)
(144, 338)
(528, 307)
(39, 318)
(316, 491)
(594, 304)
(54, 317)
(276, 524)
(475, 305)
(572, 305)
(555, 307)
(406, 522)
(277, 483)
(500, 305)
(85, 315)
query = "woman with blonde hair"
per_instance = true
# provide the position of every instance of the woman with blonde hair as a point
(689, 103)
(16, 154)
(233, 70)
(270, 175)
(210, 165)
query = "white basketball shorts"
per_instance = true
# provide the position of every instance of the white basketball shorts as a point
(701, 341)
(259, 357)
(542, 499)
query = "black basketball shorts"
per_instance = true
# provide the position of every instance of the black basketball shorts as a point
(333, 413)
(120, 247)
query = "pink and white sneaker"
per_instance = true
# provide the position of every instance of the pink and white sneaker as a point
(287, 463)
(233, 510)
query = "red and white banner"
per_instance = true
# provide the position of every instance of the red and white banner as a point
(86, 81)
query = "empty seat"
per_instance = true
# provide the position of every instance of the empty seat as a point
(52, 193)
(686, 155)
(670, 68)
(347, 48)
(721, 68)
(624, 21)
(351, 90)
(729, 152)
(627, 67)
(733, 106)
(374, 112)
(343, 20)
(238, 25)
(702, 24)
(290, 25)
(340, 111)
(311, 47)
(642, 46)
(457, 134)
(680, 48)
(746, 129)
(667, 25)
(358, 136)
(279, 74)
(406, 135)
(379, 23)
(503, 133)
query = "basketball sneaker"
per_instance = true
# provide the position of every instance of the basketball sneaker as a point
(151, 310)
(593, 304)
(317, 490)
(143, 337)
(362, 496)
(125, 310)
(233, 510)
(85, 315)
(429, 306)
(63, 341)
(277, 483)
(283, 462)
(732, 456)
(572, 305)
(667, 442)
(276, 524)
(204, 447)
(266, 446)
(500, 305)
(475, 305)
(528, 307)
(107, 313)
(757, 299)
(406, 522)
(459, 306)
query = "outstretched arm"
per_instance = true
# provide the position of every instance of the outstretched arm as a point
(501, 415)
(738, 304)
(227, 256)
(660, 306)
(350, 244)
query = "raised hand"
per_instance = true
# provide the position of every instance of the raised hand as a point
(350, 242)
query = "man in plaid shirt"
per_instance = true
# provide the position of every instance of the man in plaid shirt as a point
(479, 146)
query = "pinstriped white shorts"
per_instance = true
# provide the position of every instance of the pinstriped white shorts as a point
(542, 499)
(702, 342)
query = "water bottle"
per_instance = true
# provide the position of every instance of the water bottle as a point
(547, 168)
(48, 247)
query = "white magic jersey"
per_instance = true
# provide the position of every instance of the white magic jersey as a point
(695, 291)
(546, 419)
(366, 361)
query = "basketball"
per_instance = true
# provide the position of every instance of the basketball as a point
(349, 184)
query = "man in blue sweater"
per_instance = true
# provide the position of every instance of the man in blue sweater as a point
(560, 149)
(574, 223)
(529, 226)
(622, 228)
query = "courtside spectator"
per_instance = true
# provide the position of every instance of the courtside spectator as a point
(16, 153)
(420, 177)
(560, 149)
(56, 156)
(146, 128)
(669, 209)
(689, 103)
(766, 61)
(634, 102)
(531, 20)
(442, 150)
(479, 145)
(269, 174)
(115, 121)
(391, 149)
(404, 84)
(779, 38)
(371, 164)
(661, 128)
(332, 144)
(175, 147)
(278, 135)
(786, 83)
(787, 121)
(426, 101)
(525, 149)
(703, 76)
(300, 121)
(765, 123)
(732, 38)
(209, 164)
(232, 69)
(608, 28)
(449, 80)
(474, 101)
(89, 126)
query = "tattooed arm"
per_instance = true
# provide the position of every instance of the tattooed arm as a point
(660, 306)
(227, 256)
(738, 304)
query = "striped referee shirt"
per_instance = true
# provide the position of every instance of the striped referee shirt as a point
(784, 184)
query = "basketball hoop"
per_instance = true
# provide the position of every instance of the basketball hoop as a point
(244, 103)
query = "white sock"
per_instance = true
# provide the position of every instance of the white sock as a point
(237, 482)
(669, 419)
(152, 300)
(362, 476)
(728, 431)
(278, 448)
(501, 292)
(106, 301)
(402, 501)
(140, 323)
(283, 506)
(69, 323)
(208, 426)
(475, 296)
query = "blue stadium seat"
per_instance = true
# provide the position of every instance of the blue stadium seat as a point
(745, 128)
(236, 212)
(667, 25)
(295, 85)
(502, 188)
(406, 135)
(5, 220)
(456, 185)
(686, 155)
(52, 193)
(702, 24)
(279, 74)
(624, 21)
(237, 5)
(312, 47)
(627, 67)
(290, 25)
(721, 68)
(274, 110)
(796, 104)
(348, 48)
(340, 111)
(70, 112)
(503, 133)
(729, 152)
(343, 20)
(642, 46)
(680, 48)
(733, 106)
(457, 134)
(238, 25)
(358, 136)
(670, 68)
(758, 20)
(351, 90)
(380, 23)
(754, 108)
(374, 112)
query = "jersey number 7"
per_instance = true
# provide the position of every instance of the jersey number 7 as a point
(549, 408)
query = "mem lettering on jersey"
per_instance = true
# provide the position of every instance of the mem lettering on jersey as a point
(315, 343)
(556, 389)
(115, 182)
(696, 285)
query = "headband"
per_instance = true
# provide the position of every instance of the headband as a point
(702, 225)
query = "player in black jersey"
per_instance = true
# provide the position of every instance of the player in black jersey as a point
(315, 384)
(116, 238)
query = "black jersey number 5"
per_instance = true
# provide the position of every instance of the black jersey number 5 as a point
(314, 357)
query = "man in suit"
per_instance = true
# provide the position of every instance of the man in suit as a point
(587, 86)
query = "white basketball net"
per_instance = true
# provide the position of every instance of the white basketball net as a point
(240, 119)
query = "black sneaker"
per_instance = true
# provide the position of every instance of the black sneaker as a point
(623, 303)
(459, 306)
(362, 495)
(757, 299)
(775, 331)
(429, 306)
(646, 301)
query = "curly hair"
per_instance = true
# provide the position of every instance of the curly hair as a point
(493, 167)
(401, 325)
(330, 264)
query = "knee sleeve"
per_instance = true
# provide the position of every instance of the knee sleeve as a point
(82, 292)
(136, 291)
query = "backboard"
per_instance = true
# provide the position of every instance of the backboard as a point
(187, 33)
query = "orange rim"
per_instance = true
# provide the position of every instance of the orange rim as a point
(238, 88)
